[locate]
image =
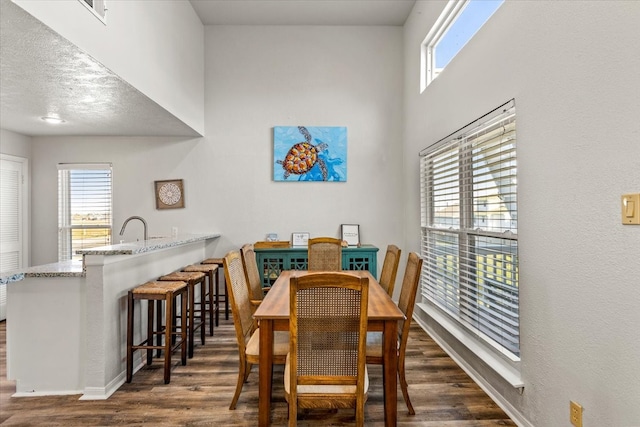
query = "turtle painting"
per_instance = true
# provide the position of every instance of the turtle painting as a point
(303, 156)
(310, 153)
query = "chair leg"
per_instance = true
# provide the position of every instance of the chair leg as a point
(211, 302)
(404, 386)
(129, 337)
(217, 298)
(183, 328)
(242, 377)
(293, 413)
(203, 311)
(167, 338)
(151, 305)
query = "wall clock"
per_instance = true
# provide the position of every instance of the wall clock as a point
(169, 194)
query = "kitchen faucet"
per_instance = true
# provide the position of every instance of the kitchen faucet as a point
(135, 217)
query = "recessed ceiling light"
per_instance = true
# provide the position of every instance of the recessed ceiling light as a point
(52, 120)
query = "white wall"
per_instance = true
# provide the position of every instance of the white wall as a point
(573, 69)
(257, 78)
(15, 144)
(157, 47)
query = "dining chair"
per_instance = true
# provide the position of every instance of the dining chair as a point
(325, 254)
(326, 365)
(406, 304)
(390, 269)
(247, 332)
(256, 291)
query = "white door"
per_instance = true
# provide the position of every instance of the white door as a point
(13, 253)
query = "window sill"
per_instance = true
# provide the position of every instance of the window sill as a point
(503, 368)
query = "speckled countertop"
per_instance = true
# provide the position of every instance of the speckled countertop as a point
(149, 245)
(56, 269)
(74, 268)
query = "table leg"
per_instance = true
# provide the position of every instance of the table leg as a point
(390, 370)
(265, 372)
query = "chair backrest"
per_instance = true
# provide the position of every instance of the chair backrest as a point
(325, 254)
(256, 293)
(408, 293)
(238, 294)
(390, 269)
(328, 330)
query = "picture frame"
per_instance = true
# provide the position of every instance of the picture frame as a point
(351, 234)
(169, 194)
(299, 239)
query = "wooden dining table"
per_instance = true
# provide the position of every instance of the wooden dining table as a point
(383, 315)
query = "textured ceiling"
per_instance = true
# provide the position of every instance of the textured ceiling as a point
(43, 74)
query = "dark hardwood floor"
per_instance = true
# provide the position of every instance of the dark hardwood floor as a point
(200, 392)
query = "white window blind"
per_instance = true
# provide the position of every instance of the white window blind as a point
(10, 217)
(84, 207)
(470, 228)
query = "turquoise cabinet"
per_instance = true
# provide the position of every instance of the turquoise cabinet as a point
(271, 261)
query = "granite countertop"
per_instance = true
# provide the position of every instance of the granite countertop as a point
(68, 268)
(149, 245)
(75, 268)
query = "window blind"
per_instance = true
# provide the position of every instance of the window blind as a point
(10, 219)
(470, 228)
(84, 207)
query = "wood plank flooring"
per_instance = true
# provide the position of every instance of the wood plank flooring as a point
(200, 392)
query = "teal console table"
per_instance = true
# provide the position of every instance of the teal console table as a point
(271, 261)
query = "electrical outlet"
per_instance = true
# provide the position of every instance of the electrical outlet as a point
(575, 414)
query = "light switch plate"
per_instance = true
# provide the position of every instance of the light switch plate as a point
(630, 205)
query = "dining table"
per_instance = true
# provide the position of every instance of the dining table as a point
(273, 315)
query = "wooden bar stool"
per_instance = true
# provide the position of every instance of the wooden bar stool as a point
(192, 280)
(157, 292)
(211, 272)
(219, 298)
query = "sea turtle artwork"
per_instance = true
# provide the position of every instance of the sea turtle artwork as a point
(309, 160)
(302, 156)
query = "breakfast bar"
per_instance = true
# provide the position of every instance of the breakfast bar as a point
(66, 322)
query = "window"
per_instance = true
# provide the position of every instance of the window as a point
(84, 208)
(457, 24)
(469, 222)
(97, 7)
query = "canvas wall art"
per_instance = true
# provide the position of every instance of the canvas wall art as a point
(310, 153)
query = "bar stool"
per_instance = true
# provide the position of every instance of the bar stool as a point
(219, 263)
(157, 292)
(211, 306)
(192, 280)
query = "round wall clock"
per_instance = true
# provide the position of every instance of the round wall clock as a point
(169, 194)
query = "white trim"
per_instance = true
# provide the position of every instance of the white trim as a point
(45, 393)
(508, 372)
(96, 13)
(513, 413)
(103, 393)
(26, 197)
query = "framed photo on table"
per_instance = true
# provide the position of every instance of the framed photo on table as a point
(299, 239)
(351, 234)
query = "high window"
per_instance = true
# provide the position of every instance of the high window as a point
(457, 24)
(97, 7)
(469, 227)
(84, 208)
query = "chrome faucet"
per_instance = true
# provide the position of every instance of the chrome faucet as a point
(135, 217)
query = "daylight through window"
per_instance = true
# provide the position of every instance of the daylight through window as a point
(457, 24)
(84, 208)
(470, 228)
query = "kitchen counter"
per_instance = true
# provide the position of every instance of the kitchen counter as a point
(150, 245)
(67, 321)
